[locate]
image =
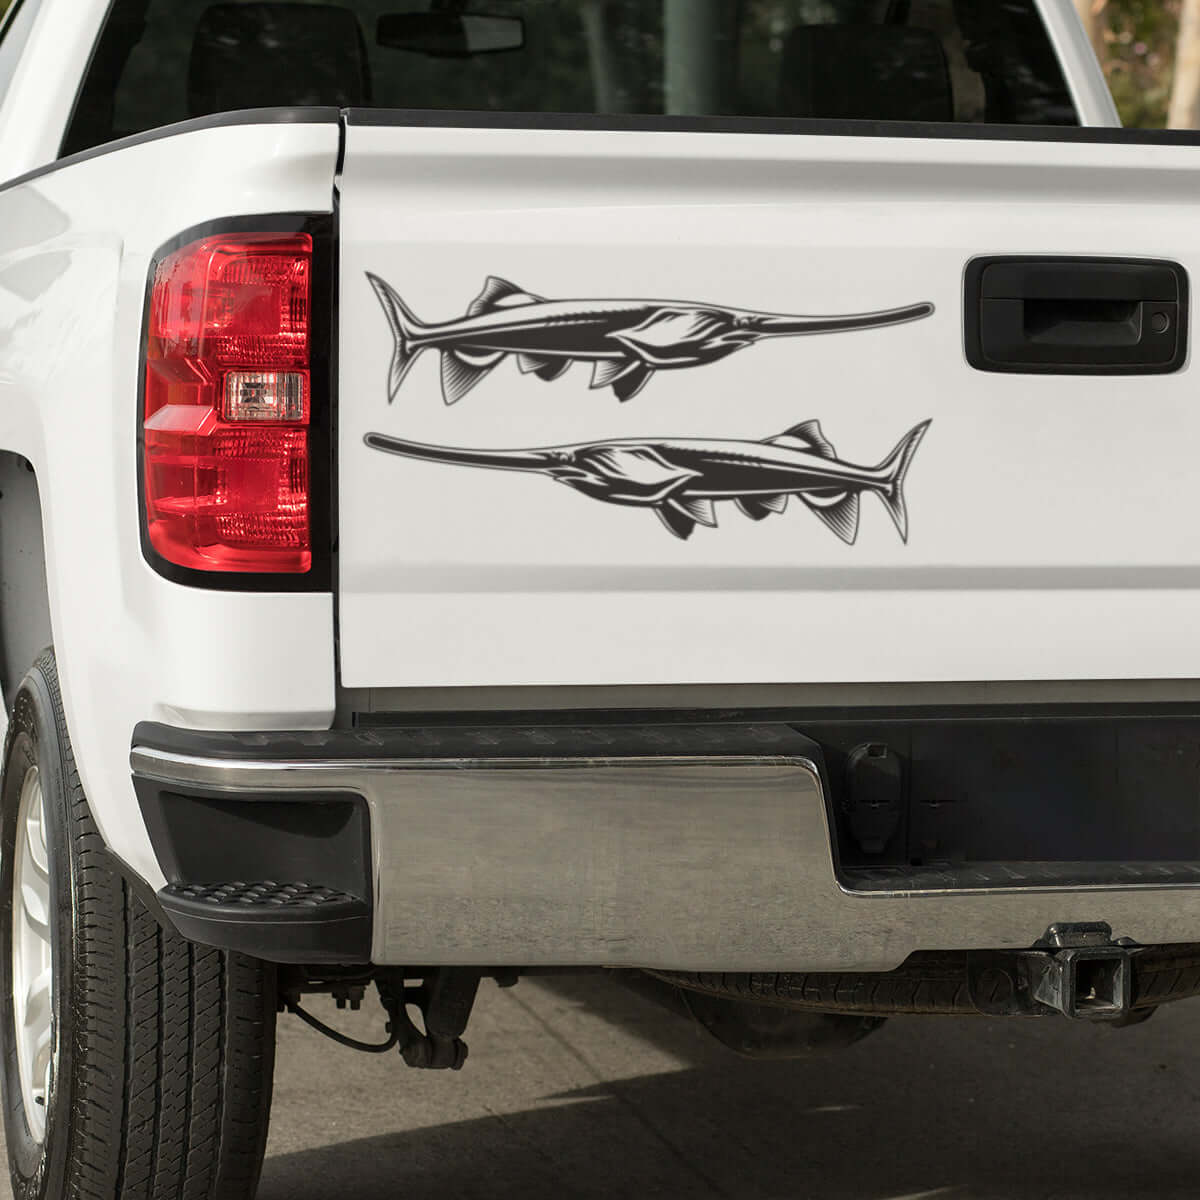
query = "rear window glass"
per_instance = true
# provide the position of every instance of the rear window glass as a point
(160, 61)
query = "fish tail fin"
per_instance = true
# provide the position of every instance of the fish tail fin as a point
(895, 471)
(405, 328)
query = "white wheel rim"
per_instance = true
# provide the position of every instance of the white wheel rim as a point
(33, 966)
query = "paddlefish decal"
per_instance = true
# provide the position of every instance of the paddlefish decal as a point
(683, 479)
(626, 341)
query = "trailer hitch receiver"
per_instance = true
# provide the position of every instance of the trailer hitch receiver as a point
(1087, 976)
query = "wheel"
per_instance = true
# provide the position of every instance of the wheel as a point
(135, 1064)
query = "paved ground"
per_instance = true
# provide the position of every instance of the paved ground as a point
(581, 1089)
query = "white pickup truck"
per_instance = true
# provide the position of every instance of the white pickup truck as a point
(703, 491)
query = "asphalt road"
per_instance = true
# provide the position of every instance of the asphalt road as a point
(578, 1088)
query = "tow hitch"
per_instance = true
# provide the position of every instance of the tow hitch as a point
(1089, 977)
(1082, 972)
(1075, 970)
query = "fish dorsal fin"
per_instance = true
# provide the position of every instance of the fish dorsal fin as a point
(806, 436)
(759, 508)
(840, 512)
(695, 508)
(499, 293)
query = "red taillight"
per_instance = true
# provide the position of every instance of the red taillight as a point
(228, 401)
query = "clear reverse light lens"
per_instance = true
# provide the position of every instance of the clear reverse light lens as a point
(265, 396)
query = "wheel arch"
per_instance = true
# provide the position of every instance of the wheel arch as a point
(25, 628)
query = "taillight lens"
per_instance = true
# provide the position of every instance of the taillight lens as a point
(227, 405)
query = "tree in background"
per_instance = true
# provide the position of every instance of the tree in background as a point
(1150, 51)
(1091, 13)
(1135, 41)
(1185, 93)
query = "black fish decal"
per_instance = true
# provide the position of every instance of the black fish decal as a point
(625, 340)
(681, 479)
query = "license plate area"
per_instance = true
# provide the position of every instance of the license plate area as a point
(995, 801)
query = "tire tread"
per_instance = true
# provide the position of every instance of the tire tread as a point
(173, 1042)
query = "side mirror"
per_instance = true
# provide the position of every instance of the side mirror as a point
(450, 35)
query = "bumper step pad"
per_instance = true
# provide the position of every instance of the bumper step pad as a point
(267, 919)
(275, 895)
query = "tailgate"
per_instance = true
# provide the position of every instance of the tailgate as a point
(664, 407)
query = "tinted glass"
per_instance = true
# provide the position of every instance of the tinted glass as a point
(945, 60)
(14, 33)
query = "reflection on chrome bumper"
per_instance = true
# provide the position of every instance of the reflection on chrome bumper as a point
(707, 862)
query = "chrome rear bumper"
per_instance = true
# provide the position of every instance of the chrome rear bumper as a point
(651, 857)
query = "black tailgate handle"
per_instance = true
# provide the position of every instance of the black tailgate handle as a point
(1076, 316)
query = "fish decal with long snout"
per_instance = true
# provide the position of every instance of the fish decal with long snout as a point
(682, 479)
(626, 341)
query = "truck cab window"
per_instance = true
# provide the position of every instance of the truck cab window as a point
(160, 61)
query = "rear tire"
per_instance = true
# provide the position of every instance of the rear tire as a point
(162, 1052)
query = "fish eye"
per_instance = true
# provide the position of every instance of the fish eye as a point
(742, 322)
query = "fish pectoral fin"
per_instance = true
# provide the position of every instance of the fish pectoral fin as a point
(626, 376)
(554, 369)
(698, 509)
(807, 436)
(534, 364)
(840, 511)
(460, 374)
(499, 293)
(606, 370)
(759, 508)
(682, 330)
(632, 382)
(681, 525)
